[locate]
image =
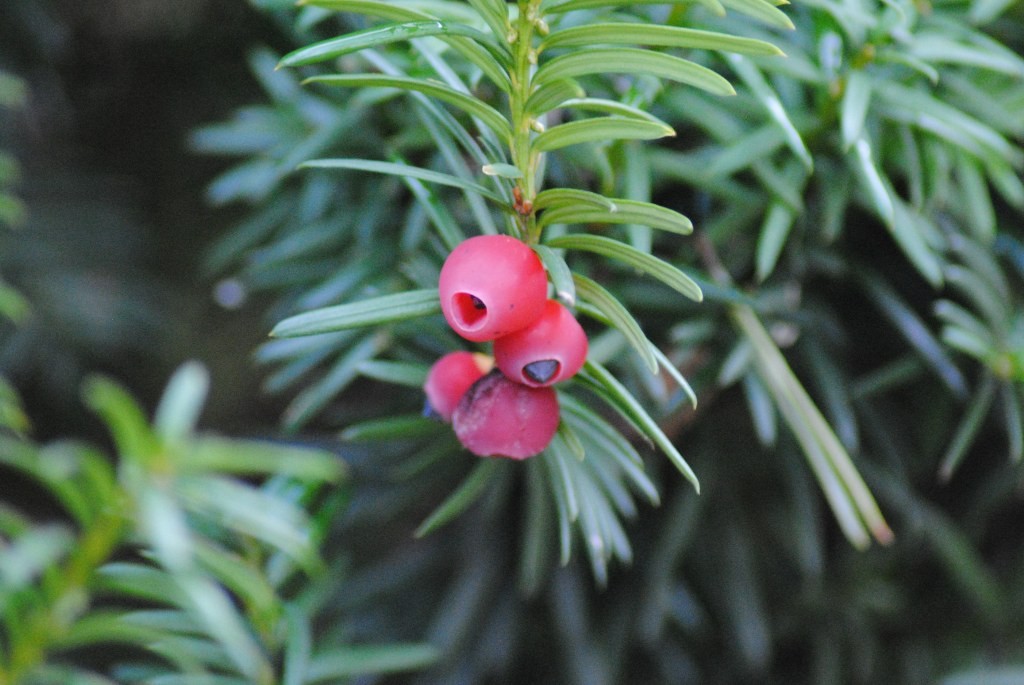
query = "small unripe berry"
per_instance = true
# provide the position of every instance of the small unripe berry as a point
(551, 349)
(449, 379)
(490, 286)
(500, 418)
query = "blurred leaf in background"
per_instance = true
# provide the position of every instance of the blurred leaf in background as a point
(172, 553)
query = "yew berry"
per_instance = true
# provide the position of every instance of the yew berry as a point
(500, 418)
(490, 286)
(551, 349)
(449, 379)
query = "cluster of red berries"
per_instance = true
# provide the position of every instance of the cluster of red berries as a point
(494, 288)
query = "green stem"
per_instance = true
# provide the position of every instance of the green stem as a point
(524, 62)
(66, 598)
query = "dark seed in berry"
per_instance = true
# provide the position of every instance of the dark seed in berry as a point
(542, 370)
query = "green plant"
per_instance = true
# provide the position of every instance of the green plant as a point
(12, 209)
(173, 554)
(890, 136)
(504, 52)
(834, 196)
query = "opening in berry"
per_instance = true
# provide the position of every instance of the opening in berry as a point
(542, 370)
(430, 413)
(468, 310)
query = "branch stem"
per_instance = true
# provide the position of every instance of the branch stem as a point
(524, 63)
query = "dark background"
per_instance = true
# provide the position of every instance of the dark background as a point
(117, 222)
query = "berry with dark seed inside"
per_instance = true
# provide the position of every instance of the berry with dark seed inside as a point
(449, 379)
(490, 286)
(551, 349)
(500, 418)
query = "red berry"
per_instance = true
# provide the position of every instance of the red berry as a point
(497, 417)
(551, 349)
(449, 379)
(490, 286)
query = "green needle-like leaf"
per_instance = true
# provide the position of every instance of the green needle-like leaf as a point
(877, 188)
(757, 83)
(502, 170)
(13, 305)
(559, 460)
(655, 35)
(612, 107)
(948, 122)
(1014, 419)
(571, 5)
(437, 209)
(405, 170)
(632, 61)
(913, 233)
(559, 274)
(647, 263)
(468, 492)
(599, 431)
(469, 104)
(298, 645)
(935, 48)
(400, 373)
(601, 129)
(382, 35)
(226, 626)
(372, 312)
(745, 150)
(182, 401)
(28, 556)
(762, 11)
(550, 95)
(624, 212)
(245, 510)
(544, 468)
(106, 628)
(402, 427)
(968, 429)
(124, 418)
(561, 197)
(676, 375)
(615, 314)
(209, 453)
(397, 11)
(854, 107)
(916, 332)
(494, 14)
(572, 441)
(978, 208)
(777, 222)
(600, 379)
(345, 662)
(956, 316)
(341, 373)
(852, 502)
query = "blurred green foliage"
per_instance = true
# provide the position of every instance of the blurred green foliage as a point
(168, 552)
